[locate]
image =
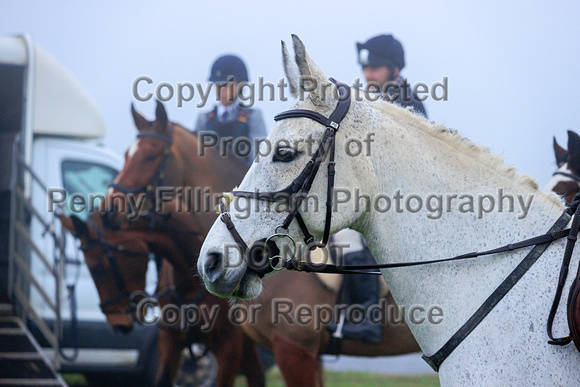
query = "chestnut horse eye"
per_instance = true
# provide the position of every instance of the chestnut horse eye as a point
(151, 157)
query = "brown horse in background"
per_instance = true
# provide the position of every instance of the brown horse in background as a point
(177, 285)
(166, 154)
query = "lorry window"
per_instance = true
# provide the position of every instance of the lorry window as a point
(89, 180)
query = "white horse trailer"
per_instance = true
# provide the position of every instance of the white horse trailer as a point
(49, 133)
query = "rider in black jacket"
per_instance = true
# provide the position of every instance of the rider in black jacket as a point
(382, 58)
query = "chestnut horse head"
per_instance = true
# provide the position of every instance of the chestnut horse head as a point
(149, 163)
(167, 155)
(117, 262)
(566, 179)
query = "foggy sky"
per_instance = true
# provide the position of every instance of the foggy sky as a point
(511, 66)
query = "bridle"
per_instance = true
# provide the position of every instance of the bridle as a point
(110, 249)
(297, 190)
(124, 293)
(567, 188)
(572, 176)
(149, 188)
(301, 186)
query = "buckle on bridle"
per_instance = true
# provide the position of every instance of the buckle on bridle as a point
(280, 259)
(224, 203)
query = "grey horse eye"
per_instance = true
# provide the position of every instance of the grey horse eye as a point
(285, 154)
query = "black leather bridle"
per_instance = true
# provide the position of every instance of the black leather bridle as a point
(110, 249)
(572, 176)
(294, 193)
(149, 188)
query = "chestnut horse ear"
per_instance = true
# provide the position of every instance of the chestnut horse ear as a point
(67, 223)
(561, 154)
(140, 121)
(161, 114)
(74, 225)
(80, 227)
(573, 151)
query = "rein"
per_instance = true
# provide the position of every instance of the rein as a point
(308, 267)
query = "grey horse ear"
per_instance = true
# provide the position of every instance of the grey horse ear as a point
(291, 71)
(312, 79)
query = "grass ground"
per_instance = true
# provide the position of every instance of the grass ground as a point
(356, 379)
(331, 379)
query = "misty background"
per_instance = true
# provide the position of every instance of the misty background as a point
(512, 67)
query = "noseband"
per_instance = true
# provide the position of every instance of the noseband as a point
(110, 248)
(295, 193)
(148, 188)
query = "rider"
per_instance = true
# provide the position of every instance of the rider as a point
(229, 119)
(382, 58)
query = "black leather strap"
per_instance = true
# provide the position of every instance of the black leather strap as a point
(439, 357)
(112, 301)
(569, 175)
(333, 269)
(227, 219)
(562, 281)
(296, 192)
(302, 113)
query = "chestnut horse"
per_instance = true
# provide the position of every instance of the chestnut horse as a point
(566, 180)
(164, 154)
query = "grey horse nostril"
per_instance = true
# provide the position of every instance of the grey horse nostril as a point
(212, 265)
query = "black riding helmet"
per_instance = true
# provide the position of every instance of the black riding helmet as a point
(228, 68)
(381, 50)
